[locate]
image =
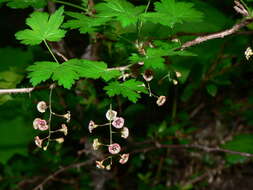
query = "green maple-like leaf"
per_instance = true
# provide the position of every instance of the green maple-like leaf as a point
(21, 4)
(120, 10)
(170, 12)
(43, 27)
(130, 89)
(69, 71)
(84, 23)
(96, 69)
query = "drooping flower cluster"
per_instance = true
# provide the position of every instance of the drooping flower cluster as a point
(113, 148)
(44, 125)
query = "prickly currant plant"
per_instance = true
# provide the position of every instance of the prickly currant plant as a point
(116, 126)
(45, 125)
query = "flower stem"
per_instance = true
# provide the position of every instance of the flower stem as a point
(110, 127)
(49, 49)
(174, 107)
(50, 114)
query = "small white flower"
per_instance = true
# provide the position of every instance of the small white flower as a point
(141, 62)
(114, 148)
(111, 115)
(91, 126)
(161, 100)
(42, 106)
(124, 132)
(123, 158)
(96, 144)
(99, 164)
(248, 53)
(118, 122)
(67, 116)
(64, 129)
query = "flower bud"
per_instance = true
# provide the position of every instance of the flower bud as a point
(38, 141)
(42, 106)
(59, 140)
(123, 158)
(161, 100)
(96, 144)
(124, 132)
(111, 115)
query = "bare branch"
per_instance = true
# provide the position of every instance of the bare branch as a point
(195, 146)
(22, 90)
(16, 90)
(221, 34)
(61, 170)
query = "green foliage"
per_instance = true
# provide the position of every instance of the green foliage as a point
(120, 10)
(154, 57)
(170, 12)
(43, 27)
(85, 24)
(240, 143)
(69, 71)
(127, 55)
(21, 4)
(129, 89)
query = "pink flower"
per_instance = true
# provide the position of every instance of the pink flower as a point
(124, 132)
(91, 126)
(123, 158)
(111, 115)
(114, 148)
(42, 106)
(38, 141)
(40, 124)
(161, 100)
(118, 122)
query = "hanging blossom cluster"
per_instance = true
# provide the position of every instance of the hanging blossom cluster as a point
(45, 125)
(117, 123)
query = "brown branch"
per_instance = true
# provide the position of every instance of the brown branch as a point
(61, 170)
(16, 90)
(221, 34)
(22, 90)
(194, 146)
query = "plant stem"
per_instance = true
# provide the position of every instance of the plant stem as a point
(110, 127)
(70, 4)
(139, 26)
(49, 49)
(174, 107)
(50, 114)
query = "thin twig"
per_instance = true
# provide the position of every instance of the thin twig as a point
(195, 146)
(221, 34)
(16, 90)
(61, 170)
